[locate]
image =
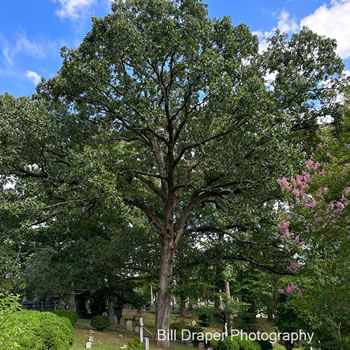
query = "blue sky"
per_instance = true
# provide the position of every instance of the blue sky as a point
(32, 32)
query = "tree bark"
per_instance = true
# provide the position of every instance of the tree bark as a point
(182, 296)
(228, 296)
(163, 296)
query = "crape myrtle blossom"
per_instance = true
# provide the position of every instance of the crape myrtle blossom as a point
(311, 209)
(325, 214)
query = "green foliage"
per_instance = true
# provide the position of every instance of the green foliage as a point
(214, 344)
(178, 326)
(9, 333)
(228, 344)
(248, 344)
(71, 315)
(205, 315)
(135, 344)
(265, 344)
(100, 322)
(42, 331)
(236, 343)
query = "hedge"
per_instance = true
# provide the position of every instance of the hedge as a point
(42, 330)
(71, 315)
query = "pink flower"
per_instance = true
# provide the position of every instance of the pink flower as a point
(317, 165)
(296, 192)
(325, 189)
(309, 163)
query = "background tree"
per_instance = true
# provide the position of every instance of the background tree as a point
(318, 224)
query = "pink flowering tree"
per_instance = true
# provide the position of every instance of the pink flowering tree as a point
(315, 229)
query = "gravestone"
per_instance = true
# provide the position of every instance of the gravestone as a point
(128, 325)
(146, 340)
(88, 345)
(201, 346)
(189, 343)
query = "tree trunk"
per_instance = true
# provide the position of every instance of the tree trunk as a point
(228, 296)
(288, 345)
(163, 296)
(182, 297)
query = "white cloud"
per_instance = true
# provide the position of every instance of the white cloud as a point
(33, 76)
(31, 48)
(286, 24)
(5, 52)
(73, 8)
(21, 44)
(332, 21)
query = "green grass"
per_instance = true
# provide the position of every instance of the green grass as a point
(109, 340)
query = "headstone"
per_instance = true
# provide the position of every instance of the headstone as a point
(91, 339)
(189, 343)
(88, 345)
(137, 329)
(201, 346)
(193, 323)
(128, 325)
(146, 340)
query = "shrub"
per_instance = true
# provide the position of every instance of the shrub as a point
(57, 331)
(135, 344)
(228, 344)
(178, 326)
(71, 315)
(236, 343)
(8, 333)
(214, 344)
(42, 331)
(249, 344)
(100, 322)
(265, 344)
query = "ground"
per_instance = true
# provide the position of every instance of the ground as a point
(113, 340)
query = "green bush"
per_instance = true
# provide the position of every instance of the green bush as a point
(100, 322)
(135, 344)
(8, 333)
(265, 344)
(42, 330)
(71, 315)
(178, 326)
(249, 344)
(236, 343)
(214, 344)
(228, 344)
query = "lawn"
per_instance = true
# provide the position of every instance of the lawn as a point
(109, 340)
(106, 340)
